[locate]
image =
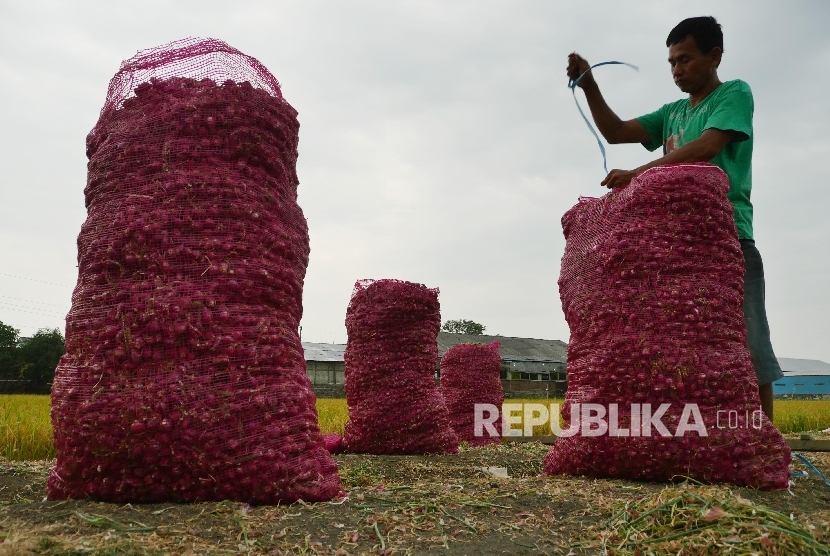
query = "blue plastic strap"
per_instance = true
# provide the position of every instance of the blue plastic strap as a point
(572, 83)
(812, 467)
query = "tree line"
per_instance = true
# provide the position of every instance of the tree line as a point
(463, 326)
(27, 365)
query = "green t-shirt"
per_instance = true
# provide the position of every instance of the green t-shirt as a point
(728, 108)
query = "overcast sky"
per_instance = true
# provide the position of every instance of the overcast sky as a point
(438, 144)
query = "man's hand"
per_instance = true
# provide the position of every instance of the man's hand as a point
(577, 65)
(609, 124)
(703, 149)
(617, 179)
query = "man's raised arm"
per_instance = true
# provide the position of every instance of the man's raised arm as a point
(609, 124)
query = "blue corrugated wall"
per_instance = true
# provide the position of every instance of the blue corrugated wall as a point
(795, 385)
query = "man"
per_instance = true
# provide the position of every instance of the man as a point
(713, 125)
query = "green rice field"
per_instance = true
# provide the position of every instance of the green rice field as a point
(26, 431)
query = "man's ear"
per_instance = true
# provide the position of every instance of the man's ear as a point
(716, 54)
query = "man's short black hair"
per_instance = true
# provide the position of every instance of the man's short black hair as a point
(705, 30)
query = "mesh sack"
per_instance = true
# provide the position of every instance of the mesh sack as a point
(395, 407)
(184, 377)
(470, 376)
(652, 287)
(333, 442)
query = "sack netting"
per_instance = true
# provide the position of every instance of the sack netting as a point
(652, 287)
(395, 406)
(470, 375)
(184, 377)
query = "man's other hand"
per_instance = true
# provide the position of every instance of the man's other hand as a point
(617, 179)
(577, 65)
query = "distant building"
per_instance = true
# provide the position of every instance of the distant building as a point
(325, 368)
(803, 378)
(530, 367)
(537, 368)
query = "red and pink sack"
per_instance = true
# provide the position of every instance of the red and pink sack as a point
(470, 376)
(652, 288)
(184, 378)
(395, 407)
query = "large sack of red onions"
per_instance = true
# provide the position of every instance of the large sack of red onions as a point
(652, 287)
(470, 376)
(184, 378)
(395, 406)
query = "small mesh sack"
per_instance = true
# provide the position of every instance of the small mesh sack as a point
(395, 406)
(470, 376)
(652, 288)
(184, 377)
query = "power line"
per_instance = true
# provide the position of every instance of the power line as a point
(33, 280)
(10, 307)
(31, 301)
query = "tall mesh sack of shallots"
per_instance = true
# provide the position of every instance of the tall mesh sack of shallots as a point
(395, 406)
(184, 378)
(470, 376)
(652, 287)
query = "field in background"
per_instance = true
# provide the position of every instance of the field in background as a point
(801, 415)
(26, 431)
(25, 428)
(332, 414)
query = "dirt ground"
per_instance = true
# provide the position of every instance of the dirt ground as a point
(395, 505)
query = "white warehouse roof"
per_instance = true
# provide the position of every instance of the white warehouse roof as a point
(323, 352)
(803, 367)
(791, 367)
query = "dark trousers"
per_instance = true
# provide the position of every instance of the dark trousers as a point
(764, 361)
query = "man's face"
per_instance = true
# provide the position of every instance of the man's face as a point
(690, 67)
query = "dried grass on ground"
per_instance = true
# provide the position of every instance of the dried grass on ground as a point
(422, 504)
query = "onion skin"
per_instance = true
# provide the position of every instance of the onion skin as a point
(652, 287)
(180, 382)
